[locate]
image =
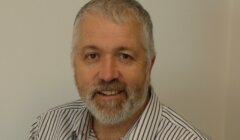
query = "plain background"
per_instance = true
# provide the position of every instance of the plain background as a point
(196, 71)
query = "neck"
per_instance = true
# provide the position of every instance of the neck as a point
(116, 131)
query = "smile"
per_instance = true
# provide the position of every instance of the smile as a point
(110, 93)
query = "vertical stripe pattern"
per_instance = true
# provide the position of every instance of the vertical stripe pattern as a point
(157, 122)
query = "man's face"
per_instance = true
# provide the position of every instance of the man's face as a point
(111, 70)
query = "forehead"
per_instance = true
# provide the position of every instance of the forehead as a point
(102, 30)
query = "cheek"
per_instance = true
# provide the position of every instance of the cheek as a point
(83, 77)
(135, 77)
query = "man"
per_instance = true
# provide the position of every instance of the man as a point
(113, 54)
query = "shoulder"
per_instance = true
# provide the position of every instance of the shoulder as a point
(173, 126)
(57, 118)
(70, 109)
(74, 105)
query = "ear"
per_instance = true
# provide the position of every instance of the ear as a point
(152, 63)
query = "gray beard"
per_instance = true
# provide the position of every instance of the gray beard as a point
(114, 112)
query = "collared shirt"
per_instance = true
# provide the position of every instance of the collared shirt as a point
(72, 121)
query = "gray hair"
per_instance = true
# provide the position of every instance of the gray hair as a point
(118, 11)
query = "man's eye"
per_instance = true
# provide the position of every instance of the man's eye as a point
(91, 56)
(125, 57)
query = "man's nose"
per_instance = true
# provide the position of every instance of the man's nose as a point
(108, 70)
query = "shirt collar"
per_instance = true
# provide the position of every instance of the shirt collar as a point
(146, 122)
(83, 124)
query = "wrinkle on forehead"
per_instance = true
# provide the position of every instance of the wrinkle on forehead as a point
(100, 28)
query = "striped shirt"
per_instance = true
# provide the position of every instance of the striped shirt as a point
(72, 121)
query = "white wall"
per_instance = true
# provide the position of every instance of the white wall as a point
(190, 74)
(35, 69)
(233, 102)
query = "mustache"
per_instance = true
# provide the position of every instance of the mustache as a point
(109, 85)
(114, 85)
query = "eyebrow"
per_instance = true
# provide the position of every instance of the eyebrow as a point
(127, 50)
(123, 48)
(95, 48)
(120, 48)
(91, 47)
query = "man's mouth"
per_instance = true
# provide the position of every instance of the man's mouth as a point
(110, 92)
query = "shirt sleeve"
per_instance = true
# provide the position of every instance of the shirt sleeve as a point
(34, 132)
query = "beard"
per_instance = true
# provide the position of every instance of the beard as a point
(117, 110)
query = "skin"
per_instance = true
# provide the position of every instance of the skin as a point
(108, 52)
